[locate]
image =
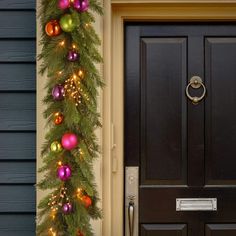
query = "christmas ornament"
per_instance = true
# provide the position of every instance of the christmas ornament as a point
(79, 233)
(87, 201)
(63, 4)
(81, 5)
(56, 147)
(52, 28)
(67, 208)
(67, 23)
(69, 141)
(64, 172)
(58, 118)
(58, 92)
(72, 56)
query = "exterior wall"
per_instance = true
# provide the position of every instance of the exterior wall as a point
(109, 169)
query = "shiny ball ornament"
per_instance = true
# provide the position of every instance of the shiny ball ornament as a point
(53, 28)
(56, 147)
(69, 141)
(58, 92)
(79, 233)
(63, 4)
(58, 118)
(87, 201)
(67, 208)
(72, 56)
(81, 5)
(67, 23)
(64, 172)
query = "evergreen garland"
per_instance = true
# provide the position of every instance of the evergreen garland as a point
(72, 201)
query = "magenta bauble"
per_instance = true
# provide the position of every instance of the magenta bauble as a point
(81, 5)
(69, 141)
(58, 92)
(63, 4)
(72, 56)
(64, 172)
(67, 208)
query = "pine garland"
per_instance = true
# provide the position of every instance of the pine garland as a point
(76, 113)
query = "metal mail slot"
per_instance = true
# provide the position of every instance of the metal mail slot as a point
(196, 204)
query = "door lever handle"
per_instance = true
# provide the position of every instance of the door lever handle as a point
(131, 216)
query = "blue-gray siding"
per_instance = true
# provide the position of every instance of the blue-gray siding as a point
(17, 117)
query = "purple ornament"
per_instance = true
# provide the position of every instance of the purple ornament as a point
(63, 4)
(81, 5)
(72, 55)
(58, 92)
(67, 208)
(69, 141)
(64, 172)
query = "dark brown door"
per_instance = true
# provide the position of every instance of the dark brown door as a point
(182, 150)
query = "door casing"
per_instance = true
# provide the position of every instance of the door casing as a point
(116, 13)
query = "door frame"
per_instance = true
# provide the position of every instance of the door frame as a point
(116, 13)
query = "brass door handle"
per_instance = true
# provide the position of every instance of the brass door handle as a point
(195, 82)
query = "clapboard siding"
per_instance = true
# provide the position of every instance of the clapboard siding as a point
(10, 73)
(17, 50)
(17, 199)
(17, 172)
(17, 146)
(17, 225)
(18, 4)
(20, 25)
(17, 111)
(17, 117)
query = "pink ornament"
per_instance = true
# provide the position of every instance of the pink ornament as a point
(81, 5)
(63, 4)
(67, 208)
(64, 172)
(69, 141)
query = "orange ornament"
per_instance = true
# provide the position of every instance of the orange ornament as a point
(79, 233)
(53, 28)
(87, 201)
(58, 118)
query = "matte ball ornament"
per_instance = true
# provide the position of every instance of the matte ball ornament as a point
(64, 172)
(56, 147)
(81, 5)
(67, 23)
(67, 208)
(64, 4)
(58, 118)
(87, 201)
(53, 28)
(72, 56)
(58, 92)
(69, 141)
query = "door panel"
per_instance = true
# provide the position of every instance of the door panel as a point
(221, 230)
(164, 230)
(164, 147)
(182, 150)
(220, 110)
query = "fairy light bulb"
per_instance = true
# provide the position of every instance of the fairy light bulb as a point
(62, 43)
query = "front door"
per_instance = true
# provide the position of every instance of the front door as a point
(184, 146)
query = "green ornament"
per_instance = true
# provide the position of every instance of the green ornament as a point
(56, 147)
(67, 23)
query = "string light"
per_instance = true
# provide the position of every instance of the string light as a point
(62, 43)
(79, 193)
(73, 89)
(59, 163)
(53, 233)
